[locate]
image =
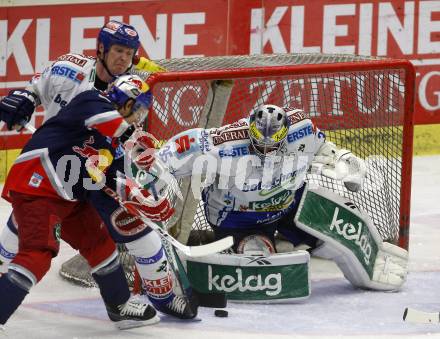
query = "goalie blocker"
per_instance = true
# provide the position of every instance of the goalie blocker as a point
(350, 239)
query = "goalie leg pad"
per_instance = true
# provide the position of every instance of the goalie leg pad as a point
(278, 278)
(351, 240)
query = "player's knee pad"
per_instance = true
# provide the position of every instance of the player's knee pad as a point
(8, 248)
(350, 238)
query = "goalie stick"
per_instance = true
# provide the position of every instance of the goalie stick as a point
(412, 315)
(215, 300)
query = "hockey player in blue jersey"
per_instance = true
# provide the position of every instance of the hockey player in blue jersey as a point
(54, 188)
(69, 75)
(255, 185)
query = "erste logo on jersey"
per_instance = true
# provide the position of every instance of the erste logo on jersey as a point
(35, 180)
(67, 72)
(300, 133)
(295, 116)
(234, 151)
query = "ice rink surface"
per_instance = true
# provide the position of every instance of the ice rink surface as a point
(58, 309)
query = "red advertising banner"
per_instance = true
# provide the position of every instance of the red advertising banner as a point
(32, 36)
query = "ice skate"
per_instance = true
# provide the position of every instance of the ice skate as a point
(180, 307)
(132, 314)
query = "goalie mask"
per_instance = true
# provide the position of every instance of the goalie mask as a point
(131, 87)
(268, 129)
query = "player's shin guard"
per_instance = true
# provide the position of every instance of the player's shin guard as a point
(154, 269)
(111, 281)
(13, 289)
(114, 291)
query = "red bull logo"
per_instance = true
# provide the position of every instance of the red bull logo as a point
(97, 160)
(86, 151)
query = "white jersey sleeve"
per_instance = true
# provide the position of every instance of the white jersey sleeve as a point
(182, 150)
(59, 83)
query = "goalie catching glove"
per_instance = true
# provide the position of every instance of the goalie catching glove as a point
(340, 164)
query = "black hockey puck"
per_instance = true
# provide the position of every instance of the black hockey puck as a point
(221, 313)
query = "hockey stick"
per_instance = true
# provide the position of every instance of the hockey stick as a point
(191, 251)
(215, 300)
(412, 315)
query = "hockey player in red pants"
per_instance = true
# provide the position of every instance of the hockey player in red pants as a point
(69, 75)
(47, 209)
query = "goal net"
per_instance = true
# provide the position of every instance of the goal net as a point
(364, 104)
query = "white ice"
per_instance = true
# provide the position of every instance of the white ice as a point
(58, 309)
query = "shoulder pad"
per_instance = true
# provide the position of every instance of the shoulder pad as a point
(295, 116)
(76, 59)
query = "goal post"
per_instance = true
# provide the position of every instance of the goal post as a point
(364, 104)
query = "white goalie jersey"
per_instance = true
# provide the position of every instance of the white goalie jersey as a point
(239, 188)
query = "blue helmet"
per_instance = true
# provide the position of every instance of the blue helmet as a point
(115, 32)
(128, 87)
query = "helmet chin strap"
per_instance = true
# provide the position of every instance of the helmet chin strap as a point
(108, 70)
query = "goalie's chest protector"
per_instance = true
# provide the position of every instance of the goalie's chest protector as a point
(249, 190)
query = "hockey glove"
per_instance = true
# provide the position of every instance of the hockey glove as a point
(340, 164)
(142, 204)
(17, 107)
(146, 65)
(141, 148)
